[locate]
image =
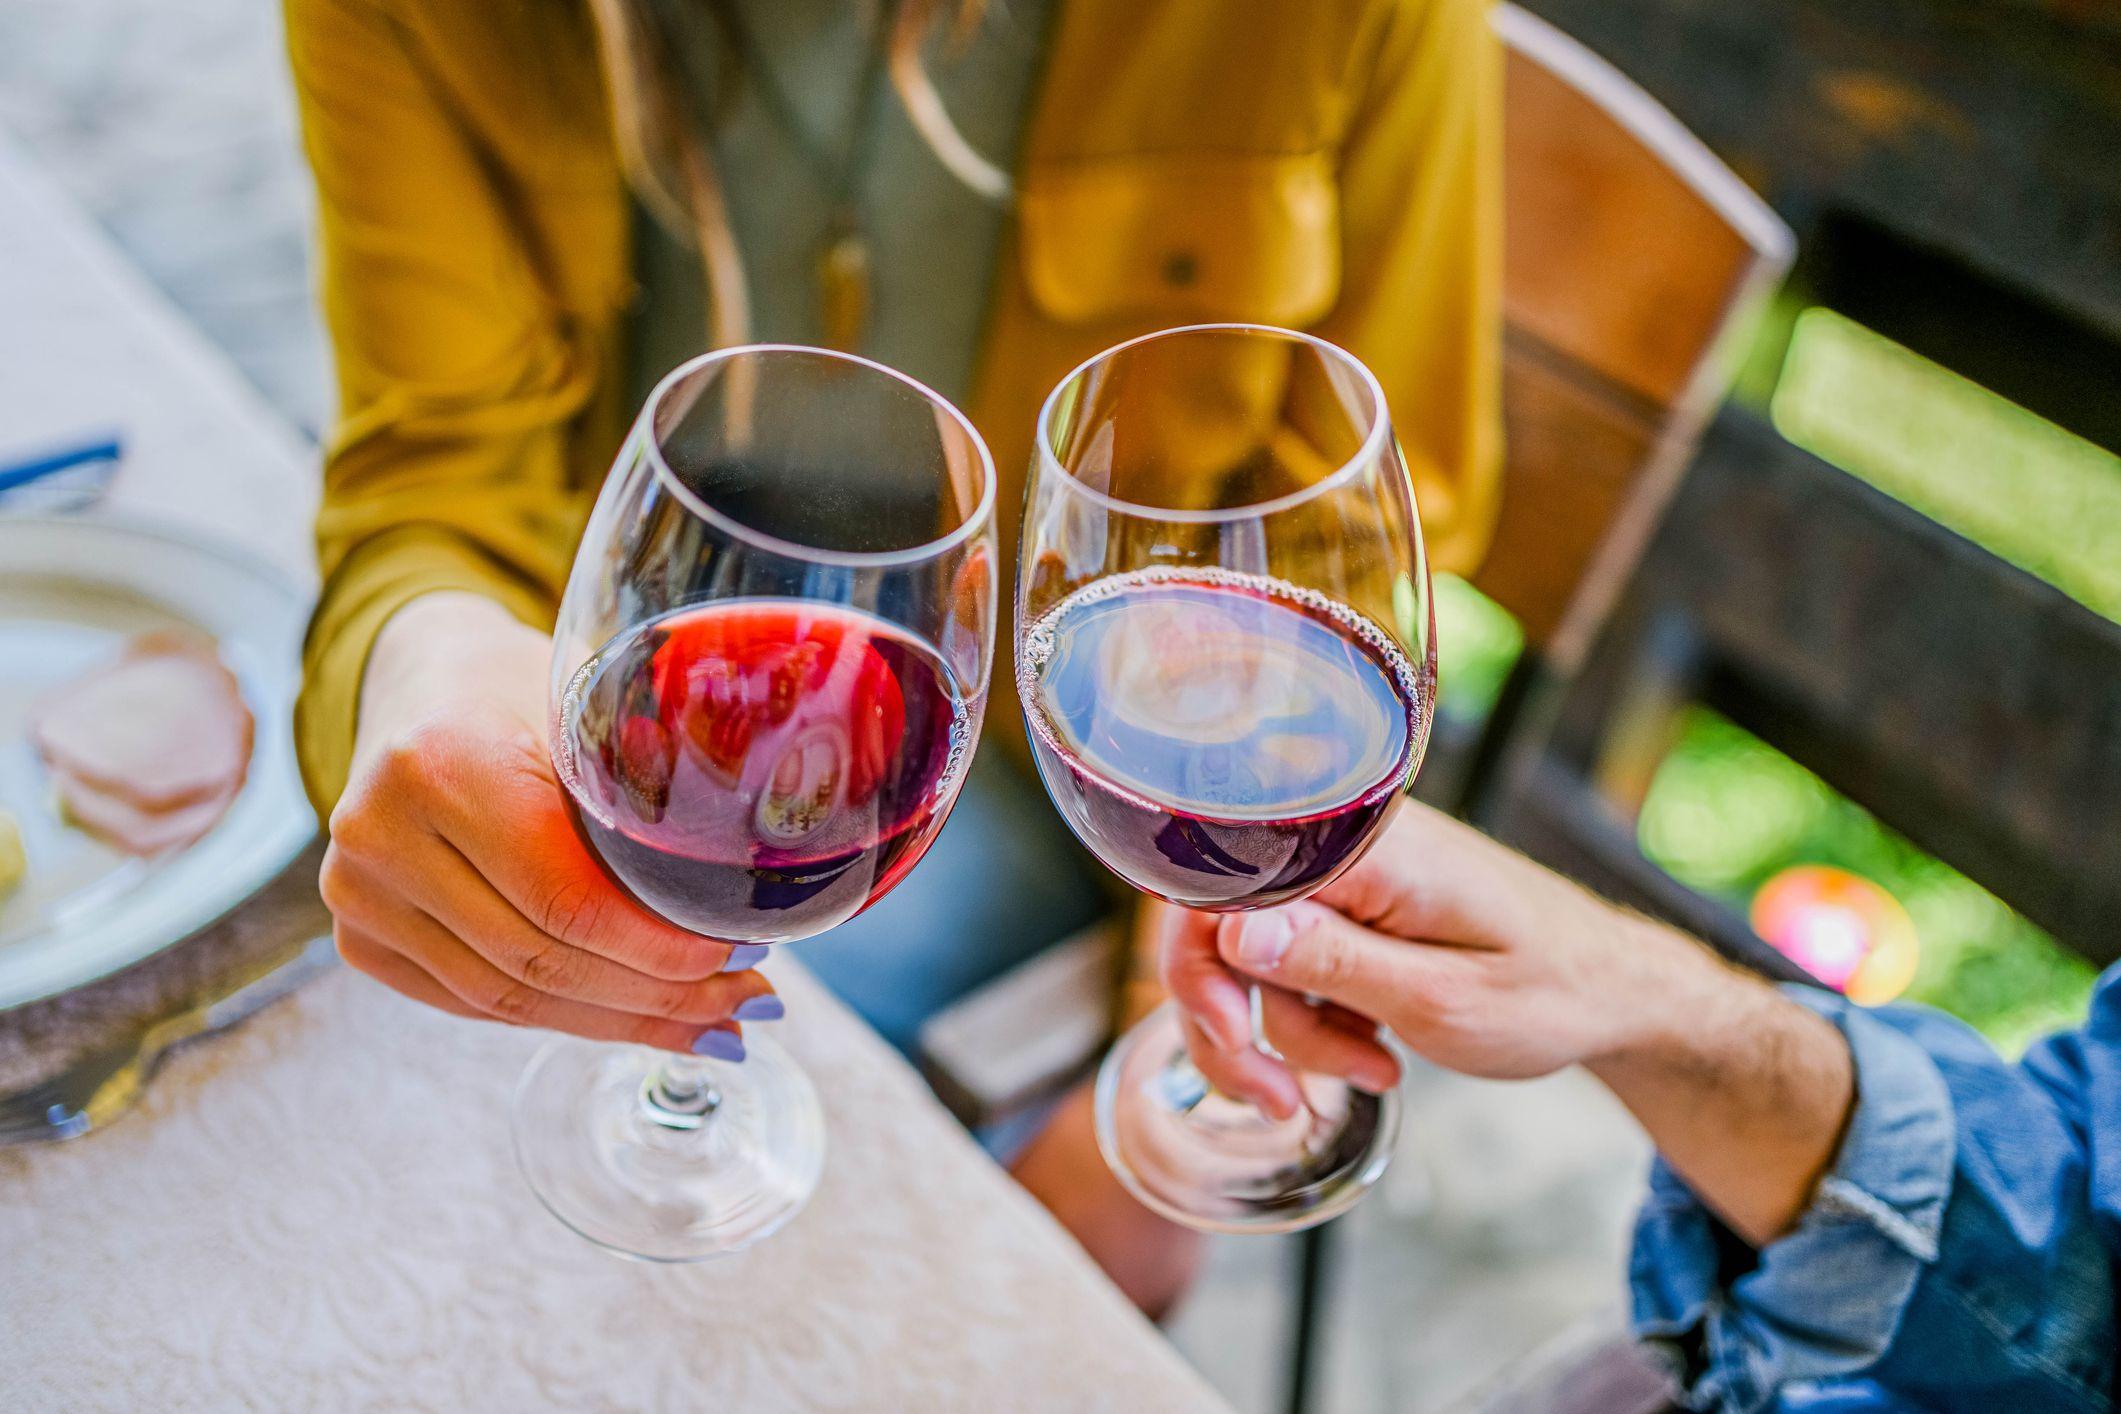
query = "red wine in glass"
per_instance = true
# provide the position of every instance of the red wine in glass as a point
(761, 770)
(1222, 740)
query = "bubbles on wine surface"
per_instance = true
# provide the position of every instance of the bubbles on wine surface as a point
(1223, 695)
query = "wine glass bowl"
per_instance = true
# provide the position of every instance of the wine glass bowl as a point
(1224, 741)
(1226, 660)
(769, 670)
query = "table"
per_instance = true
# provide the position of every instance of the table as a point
(320, 1208)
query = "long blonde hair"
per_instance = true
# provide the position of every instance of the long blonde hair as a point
(668, 160)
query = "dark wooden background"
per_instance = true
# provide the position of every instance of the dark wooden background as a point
(1952, 167)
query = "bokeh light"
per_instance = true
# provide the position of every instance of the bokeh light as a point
(1726, 814)
(1841, 928)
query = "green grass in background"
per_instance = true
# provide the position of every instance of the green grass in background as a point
(1726, 812)
(1476, 642)
(2009, 480)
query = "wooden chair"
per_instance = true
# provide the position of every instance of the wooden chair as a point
(1634, 264)
(1971, 707)
(1634, 260)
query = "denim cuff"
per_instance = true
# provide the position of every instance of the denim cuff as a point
(1825, 1300)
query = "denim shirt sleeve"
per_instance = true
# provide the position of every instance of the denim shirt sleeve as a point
(1961, 1251)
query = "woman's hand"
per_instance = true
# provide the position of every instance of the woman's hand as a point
(1483, 962)
(455, 876)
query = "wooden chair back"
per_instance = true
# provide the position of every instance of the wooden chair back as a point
(1633, 260)
(1969, 706)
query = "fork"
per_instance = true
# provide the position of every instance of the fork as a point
(104, 1084)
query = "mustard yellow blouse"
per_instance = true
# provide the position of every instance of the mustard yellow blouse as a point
(1331, 165)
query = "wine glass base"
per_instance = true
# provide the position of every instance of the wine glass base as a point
(1218, 1164)
(623, 1171)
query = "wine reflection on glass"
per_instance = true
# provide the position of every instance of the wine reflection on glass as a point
(769, 670)
(1226, 659)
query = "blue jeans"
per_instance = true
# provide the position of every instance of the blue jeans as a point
(1004, 881)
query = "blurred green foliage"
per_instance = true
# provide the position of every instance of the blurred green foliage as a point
(1476, 642)
(1726, 812)
(2007, 479)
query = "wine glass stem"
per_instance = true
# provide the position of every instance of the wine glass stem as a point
(680, 1094)
(1256, 996)
(1257, 1008)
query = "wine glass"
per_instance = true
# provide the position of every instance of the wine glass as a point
(1226, 658)
(767, 678)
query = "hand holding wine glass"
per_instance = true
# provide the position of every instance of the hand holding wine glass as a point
(455, 877)
(766, 680)
(1483, 962)
(1226, 659)
(1302, 1033)
(1475, 958)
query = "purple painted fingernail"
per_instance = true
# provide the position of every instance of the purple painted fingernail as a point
(764, 1007)
(717, 1044)
(745, 956)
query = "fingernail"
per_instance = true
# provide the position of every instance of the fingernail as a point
(1375, 1080)
(717, 1044)
(745, 956)
(1262, 940)
(765, 1007)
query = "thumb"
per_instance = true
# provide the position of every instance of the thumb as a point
(1306, 947)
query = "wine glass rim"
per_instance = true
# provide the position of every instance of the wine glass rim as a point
(1367, 453)
(970, 526)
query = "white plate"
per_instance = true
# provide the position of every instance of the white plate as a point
(72, 591)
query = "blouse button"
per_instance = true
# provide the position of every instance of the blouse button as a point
(1181, 269)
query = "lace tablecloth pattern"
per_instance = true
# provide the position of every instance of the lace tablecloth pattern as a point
(320, 1210)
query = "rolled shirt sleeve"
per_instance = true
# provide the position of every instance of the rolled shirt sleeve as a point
(1958, 1253)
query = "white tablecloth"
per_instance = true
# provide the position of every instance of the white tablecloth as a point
(320, 1210)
